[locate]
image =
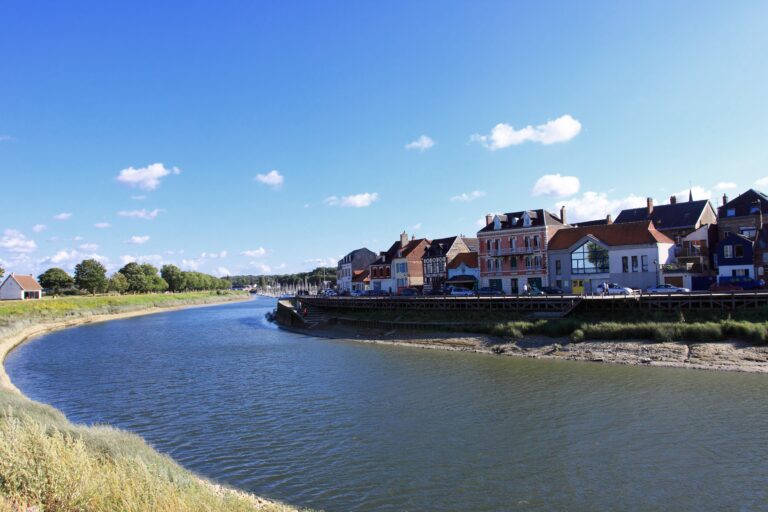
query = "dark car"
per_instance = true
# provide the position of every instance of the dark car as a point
(377, 293)
(725, 287)
(436, 291)
(552, 290)
(487, 290)
(408, 292)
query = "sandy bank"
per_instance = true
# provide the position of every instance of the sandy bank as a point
(723, 356)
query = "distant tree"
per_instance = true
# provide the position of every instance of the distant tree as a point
(118, 283)
(55, 279)
(138, 282)
(2, 271)
(174, 277)
(90, 275)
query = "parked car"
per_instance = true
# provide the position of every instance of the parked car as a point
(533, 292)
(487, 290)
(377, 293)
(408, 292)
(552, 290)
(747, 283)
(330, 293)
(436, 291)
(356, 293)
(614, 289)
(461, 292)
(668, 288)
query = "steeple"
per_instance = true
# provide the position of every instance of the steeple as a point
(690, 195)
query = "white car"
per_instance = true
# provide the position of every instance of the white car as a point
(614, 289)
(667, 288)
(461, 292)
(330, 293)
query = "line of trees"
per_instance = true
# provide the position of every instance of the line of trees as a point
(91, 276)
(314, 277)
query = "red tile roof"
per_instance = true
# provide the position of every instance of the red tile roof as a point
(27, 283)
(468, 258)
(630, 233)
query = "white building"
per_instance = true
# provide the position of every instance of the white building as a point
(19, 287)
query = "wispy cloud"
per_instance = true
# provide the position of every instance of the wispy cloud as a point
(63, 216)
(354, 201)
(503, 135)
(102, 225)
(38, 228)
(555, 185)
(14, 240)
(141, 214)
(89, 247)
(138, 240)
(223, 272)
(596, 205)
(423, 143)
(762, 183)
(272, 179)
(146, 178)
(468, 196)
(255, 253)
(322, 262)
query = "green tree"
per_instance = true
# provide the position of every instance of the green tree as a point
(174, 277)
(118, 283)
(138, 281)
(55, 279)
(91, 275)
(2, 271)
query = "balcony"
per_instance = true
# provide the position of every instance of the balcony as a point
(508, 251)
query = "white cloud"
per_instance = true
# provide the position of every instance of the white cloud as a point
(422, 143)
(138, 240)
(562, 129)
(725, 185)
(146, 178)
(322, 262)
(596, 205)
(556, 185)
(697, 192)
(37, 228)
(89, 247)
(77, 238)
(15, 241)
(214, 255)
(255, 253)
(468, 196)
(63, 216)
(273, 179)
(101, 225)
(223, 271)
(354, 201)
(67, 258)
(154, 259)
(762, 183)
(191, 264)
(141, 214)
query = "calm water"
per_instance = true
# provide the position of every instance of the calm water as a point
(348, 426)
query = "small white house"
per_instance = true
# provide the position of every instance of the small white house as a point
(19, 287)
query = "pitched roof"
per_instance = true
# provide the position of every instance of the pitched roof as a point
(468, 258)
(514, 220)
(360, 276)
(440, 247)
(471, 243)
(667, 216)
(631, 233)
(743, 204)
(598, 222)
(411, 246)
(387, 256)
(28, 283)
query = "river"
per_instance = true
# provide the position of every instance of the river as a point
(347, 426)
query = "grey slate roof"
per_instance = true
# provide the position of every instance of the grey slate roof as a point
(514, 220)
(666, 216)
(743, 203)
(440, 247)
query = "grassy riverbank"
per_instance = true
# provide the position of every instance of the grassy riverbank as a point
(50, 464)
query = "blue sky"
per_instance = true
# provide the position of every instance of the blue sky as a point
(621, 100)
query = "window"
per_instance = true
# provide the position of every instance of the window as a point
(513, 285)
(731, 212)
(496, 244)
(727, 251)
(527, 242)
(537, 262)
(558, 269)
(498, 265)
(488, 246)
(634, 263)
(536, 241)
(559, 283)
(490, 265)
(589, 258)
(527, 262)
(749, 232)
(739, 249)
(402, 268)
(513, 263)
(624, 264)
(644, 263)
(740, 272)
(512, 242)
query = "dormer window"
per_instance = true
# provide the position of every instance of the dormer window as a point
(526, 220)
(496, 223)
(731, 212)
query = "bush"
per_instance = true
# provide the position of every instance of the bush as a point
(577, 336)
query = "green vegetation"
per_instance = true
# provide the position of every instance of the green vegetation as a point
(56, 280)
(50, 464)
(314, 277)
(91, 276)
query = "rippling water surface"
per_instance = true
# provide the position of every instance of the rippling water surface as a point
(348, 426)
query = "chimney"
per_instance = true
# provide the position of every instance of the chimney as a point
(488, 218)
(403, 239)
(672, 199)
(608, 219)
(649, 202)
(725, 199)
(562, 214)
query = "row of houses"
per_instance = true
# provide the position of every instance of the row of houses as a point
(691, 244)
